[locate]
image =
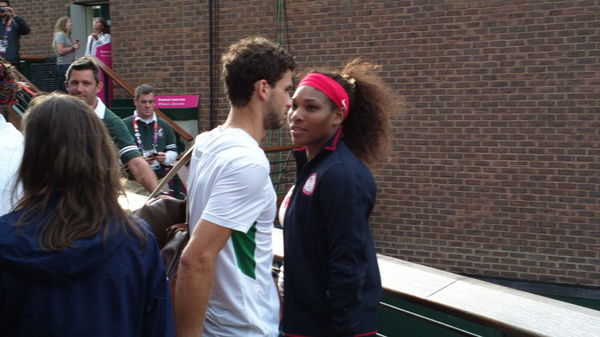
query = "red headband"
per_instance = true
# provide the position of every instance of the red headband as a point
(329, 87)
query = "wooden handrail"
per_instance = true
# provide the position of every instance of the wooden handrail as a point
(13, 115)
(121, 82)
(33, 58)
(22, 78)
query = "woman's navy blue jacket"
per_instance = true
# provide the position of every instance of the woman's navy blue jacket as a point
(100, 288)
(332, 285)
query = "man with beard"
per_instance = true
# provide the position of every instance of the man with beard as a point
(11, 29)
(224, 285)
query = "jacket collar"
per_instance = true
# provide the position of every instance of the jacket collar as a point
(100, 108)
(330, 146)
(147, 121)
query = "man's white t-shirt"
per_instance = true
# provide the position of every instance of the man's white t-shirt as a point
(229, 185)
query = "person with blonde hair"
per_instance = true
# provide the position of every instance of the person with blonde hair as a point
(72, 263)
(64, 48)
(339, 122)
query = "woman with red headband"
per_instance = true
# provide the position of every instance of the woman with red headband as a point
(340, 123)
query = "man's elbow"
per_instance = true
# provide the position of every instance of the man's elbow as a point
(196, 262)
(24, 28)
(136, 165)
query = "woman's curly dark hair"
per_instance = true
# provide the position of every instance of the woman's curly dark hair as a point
(366, 129)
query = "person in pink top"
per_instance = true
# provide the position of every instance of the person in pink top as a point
(99, 37)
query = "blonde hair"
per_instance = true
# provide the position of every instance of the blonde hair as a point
(61, 25)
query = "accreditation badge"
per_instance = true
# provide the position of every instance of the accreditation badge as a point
(3, 46)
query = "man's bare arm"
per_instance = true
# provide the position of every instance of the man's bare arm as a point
(142, 172)
(195, 277)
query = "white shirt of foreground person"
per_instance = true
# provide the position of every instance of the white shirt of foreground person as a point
(11, 153)
(230, 186)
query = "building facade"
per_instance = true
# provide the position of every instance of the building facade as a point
(494, 166)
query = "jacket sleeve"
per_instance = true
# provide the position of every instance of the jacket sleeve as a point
(121, 136)
(22, 26)
(170, 145)
(169, 138)
(346, 206)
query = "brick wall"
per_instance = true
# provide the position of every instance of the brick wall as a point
(495, 161)
(41, 17)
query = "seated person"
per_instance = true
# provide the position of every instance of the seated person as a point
(153, 136)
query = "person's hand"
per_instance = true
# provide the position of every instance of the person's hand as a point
(149, 159)
(161, 157)
(77, 44)
(9, 11)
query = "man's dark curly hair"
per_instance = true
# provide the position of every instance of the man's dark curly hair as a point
(250, 60)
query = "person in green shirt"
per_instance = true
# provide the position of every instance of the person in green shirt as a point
(84, 83)
(153, 136)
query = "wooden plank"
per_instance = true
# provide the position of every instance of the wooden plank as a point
(402, 277)
(508, 310)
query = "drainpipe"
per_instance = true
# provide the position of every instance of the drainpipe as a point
(213, 74)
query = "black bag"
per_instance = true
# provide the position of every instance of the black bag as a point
(168, 220)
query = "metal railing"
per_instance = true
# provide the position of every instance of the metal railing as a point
(282, 167)
(23, 97)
